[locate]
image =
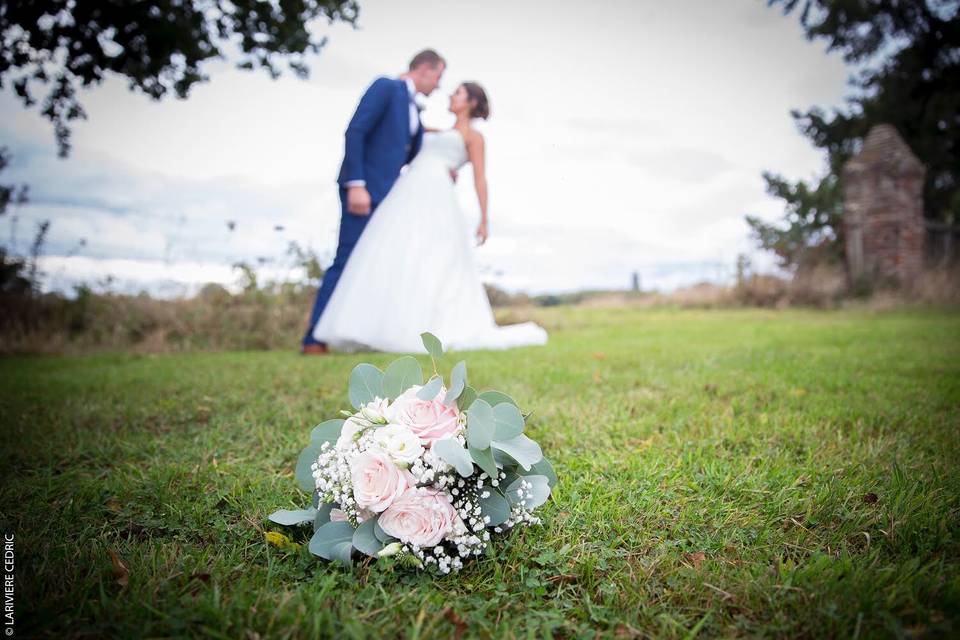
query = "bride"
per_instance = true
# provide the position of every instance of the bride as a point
(413, 268)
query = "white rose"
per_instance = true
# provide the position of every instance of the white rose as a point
(376, 410)
(349, 431)
(399, 443)
(391, 549)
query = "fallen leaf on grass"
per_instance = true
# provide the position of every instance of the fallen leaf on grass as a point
(456, 621)
(280, 541)
(695, 558)
(120, 571)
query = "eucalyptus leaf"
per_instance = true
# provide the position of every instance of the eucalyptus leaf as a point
(480, 425)
(509, 478)
(328, 431)
(507, 421)
(540, 491)
(466, 398)
(402, 374)
(484, 460)
(494, 398)
(458, 381)
(542, 468)
(522, 449)
(432, 344)
(366, 384)
(504, 461)
(333, 541)
(303, 473)
(290, 517)
(365, 539)
(382, 535)
(430, 390)
(452, 452)
(323, 515)
(495, 507)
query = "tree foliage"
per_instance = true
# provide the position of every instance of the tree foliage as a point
(907, 59)
(160, 46)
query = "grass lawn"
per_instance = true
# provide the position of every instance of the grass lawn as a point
(741, 473)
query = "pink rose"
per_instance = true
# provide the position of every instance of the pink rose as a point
(429, 420)
(421, 517)
(377, 481)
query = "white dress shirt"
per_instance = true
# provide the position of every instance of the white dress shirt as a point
(414, 124)
(414, 112)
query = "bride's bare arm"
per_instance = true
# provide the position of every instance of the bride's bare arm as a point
(476, 153)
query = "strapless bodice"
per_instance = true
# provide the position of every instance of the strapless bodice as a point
(446, 147)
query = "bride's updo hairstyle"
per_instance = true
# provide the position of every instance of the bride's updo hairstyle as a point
(476, 95)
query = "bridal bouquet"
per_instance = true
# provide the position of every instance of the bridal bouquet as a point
(422, 472)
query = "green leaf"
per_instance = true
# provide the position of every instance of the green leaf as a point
(402, 374)
(542, 468)
(323, 515)
(480, 424)
(430, 390)
(522, 449)
(540, 491)
(303, 474)
(452, 452)
(365, 539)
(382, 535)
(328, 431)
(366, 383)
(507, 421)
(466, 398)
(494, 506)
(494, 398)
(432, 344)
(508, 479)
(458, 380)
(484, 460)
(333, 541)
(290, 517)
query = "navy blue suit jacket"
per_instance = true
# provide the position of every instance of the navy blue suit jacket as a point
(378, 140)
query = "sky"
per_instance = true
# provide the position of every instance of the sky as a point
(624, 137)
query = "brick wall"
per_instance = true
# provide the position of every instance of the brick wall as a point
(883, 208)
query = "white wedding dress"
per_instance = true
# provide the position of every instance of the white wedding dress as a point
(413, 270)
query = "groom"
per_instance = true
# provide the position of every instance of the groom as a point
(384, 134)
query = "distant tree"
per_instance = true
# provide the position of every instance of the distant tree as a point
(10, 194)
(15, 271)
(159, 46)
(907, 59)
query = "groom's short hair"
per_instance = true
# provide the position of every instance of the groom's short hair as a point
(427, 57)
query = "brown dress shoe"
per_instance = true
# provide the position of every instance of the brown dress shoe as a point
(314, 350)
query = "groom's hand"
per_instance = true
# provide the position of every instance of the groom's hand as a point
(358, 201)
